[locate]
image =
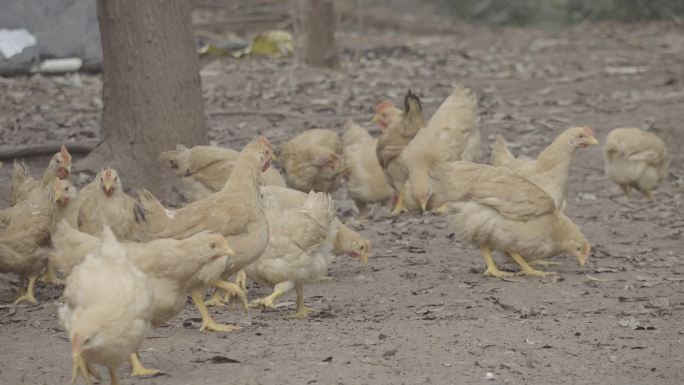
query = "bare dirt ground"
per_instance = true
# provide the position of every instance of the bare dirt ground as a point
(421, 312)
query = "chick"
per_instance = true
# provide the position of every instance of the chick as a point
(635, 159)
(107, 309)
(496, 209)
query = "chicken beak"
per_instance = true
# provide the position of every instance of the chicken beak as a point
(108, 187)
(59, 196)
(226, 249)
(375, 119)
(593, 141)
(274, 158)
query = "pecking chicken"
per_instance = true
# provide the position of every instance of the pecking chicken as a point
(23, 183)
(635, 159)
(169, 264)
(299, 248)
(107, 309)
(235, 211)
(204, 170)
(398, 129)
(550, 170)
(25, 231)
(103, 202)
(347, 241)
(313, 160)
(496, 209)
(366, 183)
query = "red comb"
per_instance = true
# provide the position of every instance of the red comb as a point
(589, 131)
(382, 105)
(65, 154)
(264, 140)
(108, 173)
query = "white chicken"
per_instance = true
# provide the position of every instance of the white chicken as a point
(299, 248)
(107, 309)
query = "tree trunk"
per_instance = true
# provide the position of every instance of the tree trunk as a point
(319, 25)
(151, 90)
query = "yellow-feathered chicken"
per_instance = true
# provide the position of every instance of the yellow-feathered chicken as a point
(550, 170)
(23, 183)
(312, 160)
(347, 241)
(498, 210)
(398, 129)
(635, 159)
(236, 212)
(366, 183)
(169, 264)
(25, 231)
(204, 170)
(103, 202)
(451, 134)
(107, 309)
(299, 248)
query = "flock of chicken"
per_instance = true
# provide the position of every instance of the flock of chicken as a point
(128, 263)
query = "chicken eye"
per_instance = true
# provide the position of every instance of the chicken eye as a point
(581, 135)
(66, 188)
(87, 341)
(212, 245)
(579, 248)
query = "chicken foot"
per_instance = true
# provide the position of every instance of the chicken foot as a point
(137, 368)
(240, 282)
(79, 366)
(278, 291)
(28, 294)
(492, 270)
(526, 269)
(400, 206)
(208, 323)
(302, 310)
(50, 277)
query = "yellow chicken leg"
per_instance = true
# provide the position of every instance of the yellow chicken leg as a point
(50, 277)
(400, 206)
(215, 299)
(302, 310)
(241, 280)
(492, 270)
(232, 290)
(113, 377)
(526, 269)
(278, 291)
(79, 367)
(137, 368)
(208, 323)
(28, 295)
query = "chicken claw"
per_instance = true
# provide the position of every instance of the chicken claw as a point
(137, 368)
(50, 277)
(400, 206)
(216, 300)
(232, 290)
(208, 323)
(526, 269)
(80, 367)
(267, 302)
(492, 270)
(28, 295)
(241, 280)
(302, 310)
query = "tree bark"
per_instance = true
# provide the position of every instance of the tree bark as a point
(151, 90)
(319, 25)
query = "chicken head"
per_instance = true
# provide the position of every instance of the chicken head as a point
(61, 163)
(64, 191)
(386, 114)
(109, 181)
(348, 241)
(582, 137)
